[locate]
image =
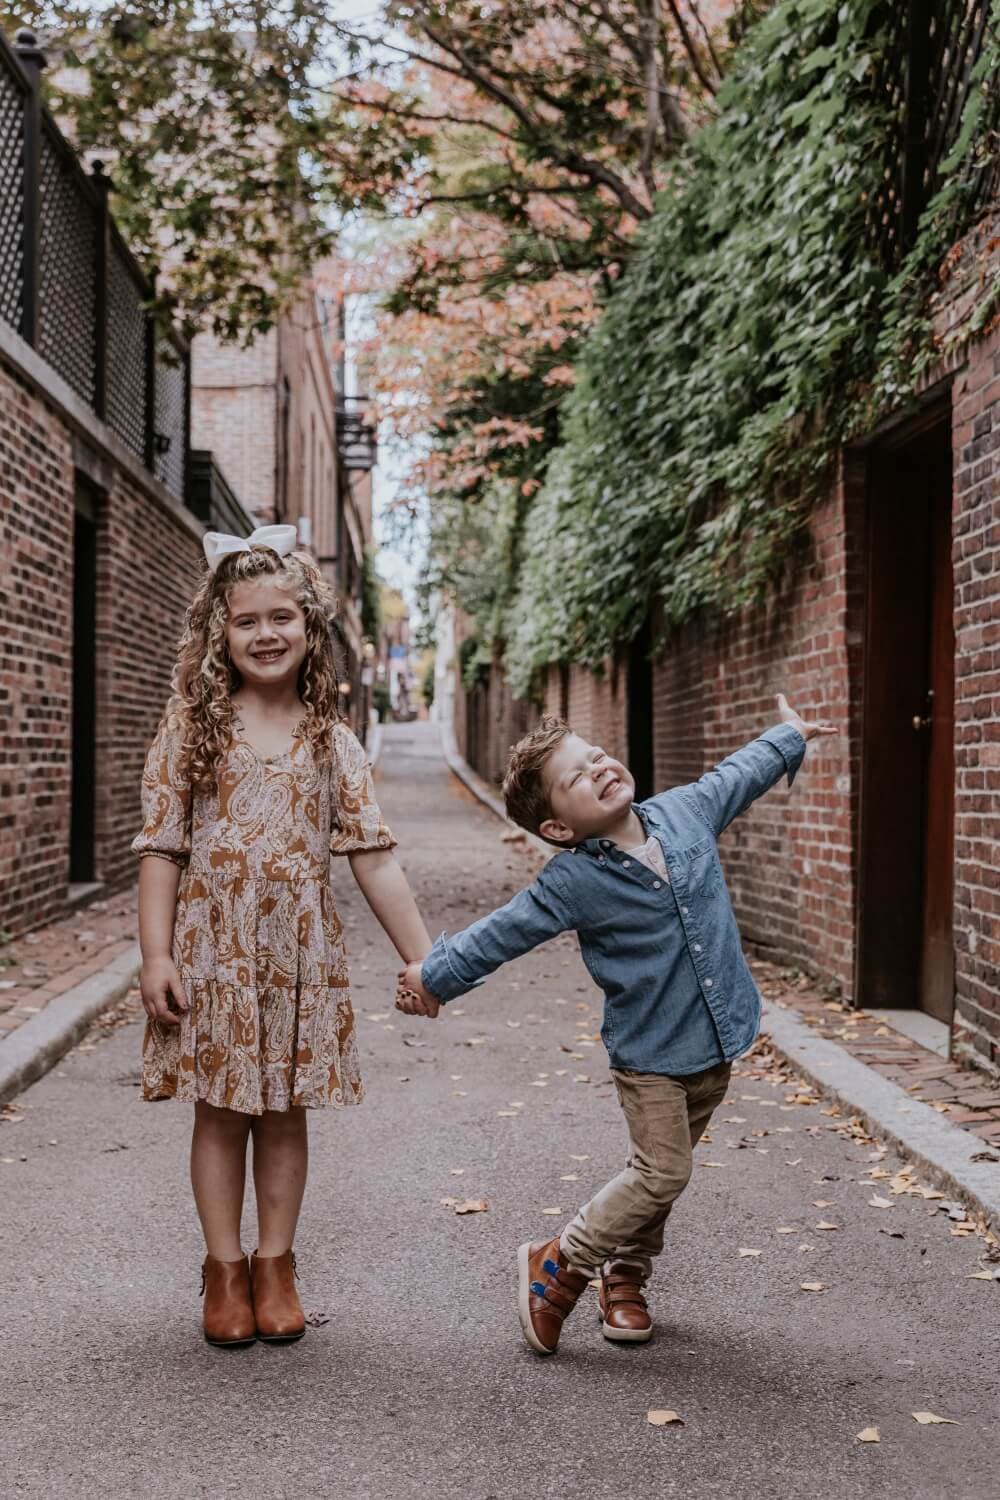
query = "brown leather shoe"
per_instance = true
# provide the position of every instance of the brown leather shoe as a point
(276, 1304)
(623, 1312)
(547, 1293)
(227, 1315)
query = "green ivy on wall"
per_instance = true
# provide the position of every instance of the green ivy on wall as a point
(757, 329)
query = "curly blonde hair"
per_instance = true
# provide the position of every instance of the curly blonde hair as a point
(201, 709)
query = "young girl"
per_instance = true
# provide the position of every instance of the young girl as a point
(252, 783)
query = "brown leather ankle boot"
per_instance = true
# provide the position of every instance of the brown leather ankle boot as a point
(227, 1315)
(623, 1312)
(547, 1293)
(276, 1304)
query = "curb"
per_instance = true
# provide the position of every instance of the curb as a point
(943, 1150)
(38, 1045)
(460, 767)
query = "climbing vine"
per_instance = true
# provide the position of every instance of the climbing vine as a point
(760, 325)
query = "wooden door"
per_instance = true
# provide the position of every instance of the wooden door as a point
(905, 942)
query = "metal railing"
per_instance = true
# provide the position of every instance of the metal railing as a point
(938, 44)
(72, 288)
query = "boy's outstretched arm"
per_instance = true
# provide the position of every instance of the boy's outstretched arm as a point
(729, 789)
(460, 963)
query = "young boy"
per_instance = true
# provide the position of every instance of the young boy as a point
(643, 888)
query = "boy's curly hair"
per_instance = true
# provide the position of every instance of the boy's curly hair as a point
(201, 709)
(524, 794)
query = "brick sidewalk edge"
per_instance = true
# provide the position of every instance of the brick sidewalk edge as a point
(483, 791)
(38, 1045)
(942, 1149)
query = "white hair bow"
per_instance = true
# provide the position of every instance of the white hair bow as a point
(218, 544)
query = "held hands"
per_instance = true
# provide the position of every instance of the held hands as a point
(411, 996)
(807, 731)
(163, 994)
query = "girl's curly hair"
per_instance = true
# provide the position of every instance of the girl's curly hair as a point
(201, 708)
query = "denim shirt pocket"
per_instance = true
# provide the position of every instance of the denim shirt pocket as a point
(701, 868)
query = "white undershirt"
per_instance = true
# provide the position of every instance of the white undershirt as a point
(651, 854)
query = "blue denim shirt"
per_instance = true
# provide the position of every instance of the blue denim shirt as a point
(678, 995)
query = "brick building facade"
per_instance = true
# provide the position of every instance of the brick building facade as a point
(880, 871)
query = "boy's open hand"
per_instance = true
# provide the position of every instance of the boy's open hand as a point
(807, 731)
(411, 996)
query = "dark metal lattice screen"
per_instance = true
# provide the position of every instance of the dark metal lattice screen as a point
(927, 88)
(12, 198)
(126, 357)
(66, 290)
(170, 421)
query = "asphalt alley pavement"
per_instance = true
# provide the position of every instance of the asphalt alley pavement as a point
(414, 1381)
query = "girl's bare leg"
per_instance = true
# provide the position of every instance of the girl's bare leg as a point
(280, 1159)
(218, 1175)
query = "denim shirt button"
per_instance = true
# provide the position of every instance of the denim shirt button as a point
(684, 911)
(708, 984)
(626, 864)
(657, 884)
(697, 947)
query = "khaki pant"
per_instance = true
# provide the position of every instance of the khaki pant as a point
(666, 1117)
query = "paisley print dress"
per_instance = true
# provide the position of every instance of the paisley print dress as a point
(257, 939)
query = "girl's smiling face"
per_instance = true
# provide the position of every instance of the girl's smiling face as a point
(265, 633)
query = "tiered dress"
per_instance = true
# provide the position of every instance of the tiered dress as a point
(257, 939)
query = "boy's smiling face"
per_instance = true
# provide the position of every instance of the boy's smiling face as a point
(589, 793)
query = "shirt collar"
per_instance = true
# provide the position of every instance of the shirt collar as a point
(602, 846)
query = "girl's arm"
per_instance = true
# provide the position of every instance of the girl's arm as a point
(385, 888)
(162, 992)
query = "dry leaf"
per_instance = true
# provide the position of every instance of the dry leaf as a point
(822, 1203)
(458, 1172)
(458, 1093)
(472, 1206)
(508, 1114)
(824, 1225)
(749, 1253)
(734, 1120)
(982, 1276)
(710, 1164)
(570, 1177)
(878, 1202)
(869, 1435)
(785, 1230)
(814, 1286)
(929, 1419)
(578, 1158)
(581, 1078)
(552, 1212)
(664, 1419)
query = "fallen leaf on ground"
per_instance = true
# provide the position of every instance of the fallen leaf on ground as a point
(516, 1103)
(551, 1211)
(508, 1114)
(878, 1202)
(472, 1206)
(784, 1229)
(458, 1093)
(814, 1286)
(734, 1120)
(317, 1319)
(984, 1156)
(458, 1172)
(749, 1253)
(796, 1163)
(822, 1203)
(982, 1276)
(570, 1177)
(824, 1225)
(664, 1419)
(869, 1435)
(578, 1158)
(930, 1419)
(894, 1234)
(710, 1164)
(409, 1041)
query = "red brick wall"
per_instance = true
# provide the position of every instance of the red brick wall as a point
(790, 860)
(976, 555)
(147, 568)
(148, 555)
(36, 591)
